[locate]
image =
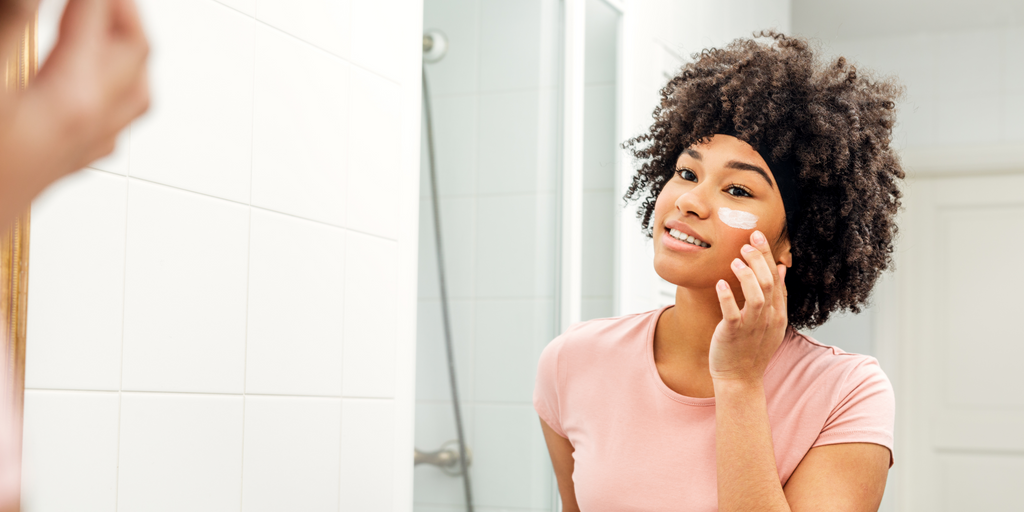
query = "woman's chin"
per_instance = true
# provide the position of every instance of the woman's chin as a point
(685, 277)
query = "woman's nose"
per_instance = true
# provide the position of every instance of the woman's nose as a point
(694, 201)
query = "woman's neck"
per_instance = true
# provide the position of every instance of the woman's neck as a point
(682, 338)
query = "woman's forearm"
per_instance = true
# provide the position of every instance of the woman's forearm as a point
(748, 478)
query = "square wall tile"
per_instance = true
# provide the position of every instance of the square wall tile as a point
(371, 290)
(436, 430)
(374, 161)
(296, 300)
(386, 38)
(117, 162)
(197, 135)
(70, 448)
(323, 23)
(432, 379)
(300, 132)
(454, 120)
(247, 7)
(367, 454)
(76, 296)
(515, 132)
(458, 232)
(459, 20)
(180, 452)
(515, 246)
(185, 291)
(292, 454)
(505, 357)
(510, 46)
(509, 441)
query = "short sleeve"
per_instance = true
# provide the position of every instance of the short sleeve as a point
(865, 409)
(547, 390)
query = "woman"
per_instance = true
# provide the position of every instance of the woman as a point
(770, 190)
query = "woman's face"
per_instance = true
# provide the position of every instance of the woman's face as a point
(721, 193)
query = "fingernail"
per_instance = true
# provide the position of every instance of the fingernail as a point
(722, 286)
(758, 237)
(748, 248)
(782, 273)
(737, 264)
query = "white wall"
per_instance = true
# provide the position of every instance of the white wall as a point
(494, 99)
(222, 314)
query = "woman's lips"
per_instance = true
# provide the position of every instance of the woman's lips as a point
(673, 244)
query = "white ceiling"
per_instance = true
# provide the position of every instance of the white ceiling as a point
(850, 19)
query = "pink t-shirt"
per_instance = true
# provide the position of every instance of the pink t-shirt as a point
(638, 445)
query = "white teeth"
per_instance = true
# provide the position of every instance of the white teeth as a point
(678, 235)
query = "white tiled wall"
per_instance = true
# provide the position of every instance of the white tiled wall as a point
(222, 312)
(494, 100)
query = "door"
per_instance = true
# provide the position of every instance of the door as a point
(960, 392)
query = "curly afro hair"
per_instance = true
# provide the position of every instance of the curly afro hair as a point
(834, 124)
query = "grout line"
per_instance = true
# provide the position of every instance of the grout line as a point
(239, 11)
(249, 250)
(206, 393)
(347, 60)
(124, 301)
(292, 215)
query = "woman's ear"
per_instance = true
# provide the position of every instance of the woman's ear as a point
(782, 254)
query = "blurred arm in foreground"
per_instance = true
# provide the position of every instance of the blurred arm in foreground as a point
(91, 86)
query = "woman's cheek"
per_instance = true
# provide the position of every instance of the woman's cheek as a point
(738, 219)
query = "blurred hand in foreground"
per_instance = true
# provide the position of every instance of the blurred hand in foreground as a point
(92, 85)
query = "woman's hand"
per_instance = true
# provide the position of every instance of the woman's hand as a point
(92, 85)
(744, 341)
(95, 77)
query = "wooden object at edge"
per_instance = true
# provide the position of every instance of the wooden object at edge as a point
(14, 244)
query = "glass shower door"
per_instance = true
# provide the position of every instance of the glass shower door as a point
(494, 97)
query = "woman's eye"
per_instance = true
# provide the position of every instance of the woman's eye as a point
(742, 191)
(687, 174)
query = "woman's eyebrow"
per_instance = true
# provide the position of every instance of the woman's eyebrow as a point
(734, 164)
(743, 166)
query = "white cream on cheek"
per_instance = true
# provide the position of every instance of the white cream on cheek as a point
(737, 219)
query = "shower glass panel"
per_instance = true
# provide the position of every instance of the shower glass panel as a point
(495, 103)
(601, 155)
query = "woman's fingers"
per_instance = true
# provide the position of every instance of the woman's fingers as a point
(730, 311)
(762, 269)
(754, 298)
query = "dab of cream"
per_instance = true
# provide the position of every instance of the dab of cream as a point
(737, 219)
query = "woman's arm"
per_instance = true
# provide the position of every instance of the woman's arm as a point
(846, 477)
(838, 479)
(561, 450)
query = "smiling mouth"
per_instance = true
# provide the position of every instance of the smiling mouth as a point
(679, 235)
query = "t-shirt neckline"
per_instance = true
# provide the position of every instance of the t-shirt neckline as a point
(689, 400)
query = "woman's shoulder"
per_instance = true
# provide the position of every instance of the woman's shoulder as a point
(814, 360)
